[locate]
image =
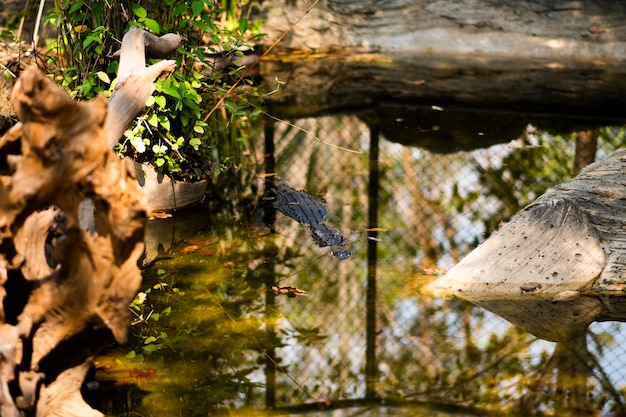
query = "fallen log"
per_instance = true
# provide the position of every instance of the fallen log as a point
(72, 219)
(560, 263)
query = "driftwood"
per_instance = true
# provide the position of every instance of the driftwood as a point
(135, 81)
(560, 263)
(72, 218)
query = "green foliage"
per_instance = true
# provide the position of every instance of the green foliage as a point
(175, 134)
(200, 325)
(150, 336)
(539, 162)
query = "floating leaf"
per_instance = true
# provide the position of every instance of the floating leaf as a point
(189, 249)
(288, 291)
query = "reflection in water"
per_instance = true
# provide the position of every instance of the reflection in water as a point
(219, 338)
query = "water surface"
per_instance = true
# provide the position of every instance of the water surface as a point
(211, 335)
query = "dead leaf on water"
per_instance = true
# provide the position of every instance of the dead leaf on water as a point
(189, 249)
(197, 241)
(159, 215)
(288, 291)
(376, 229)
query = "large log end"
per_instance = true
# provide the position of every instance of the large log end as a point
(546, 249)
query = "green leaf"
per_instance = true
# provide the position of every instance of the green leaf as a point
(195, 143)
(150, 101)
(202, 26)
(197, 7)
(161, 101)
(149, 339)
(259, 36)
(87, 87)
(164, 122)
(104, 77)
(138, 144)
(88, 41)
(170, 91)
(190, 103)
(74, 7)
(139, 11)
(153, 120)
(180, 9)
(243, 25)
(152, 25)
(150, 348)
(159, 162)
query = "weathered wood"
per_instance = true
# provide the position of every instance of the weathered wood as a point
(135, 81)
(518, 64)
(548, 248)
(583, 29)
(545, 268)
(72, 218)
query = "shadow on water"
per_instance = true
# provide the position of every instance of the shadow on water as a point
(214, 334)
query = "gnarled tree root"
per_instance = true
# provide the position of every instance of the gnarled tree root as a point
(72, 218)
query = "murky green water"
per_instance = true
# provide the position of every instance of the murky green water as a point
(212, 336)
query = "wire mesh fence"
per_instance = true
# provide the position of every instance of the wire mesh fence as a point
(365, 333)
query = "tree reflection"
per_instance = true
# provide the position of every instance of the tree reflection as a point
(235, 344)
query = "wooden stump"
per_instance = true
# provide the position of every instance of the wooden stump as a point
(560, 263)
(72, 218)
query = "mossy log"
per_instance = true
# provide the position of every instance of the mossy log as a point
(72, 219)
(560, 263)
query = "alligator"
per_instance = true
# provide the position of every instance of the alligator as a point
(308, 210)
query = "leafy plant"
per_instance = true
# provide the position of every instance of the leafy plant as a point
(175, 134)
(151, 337)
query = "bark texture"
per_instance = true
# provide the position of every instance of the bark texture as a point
(72, 219)
(579, 29)
(493, 67)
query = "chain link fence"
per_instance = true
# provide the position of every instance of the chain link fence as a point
(350, 344)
